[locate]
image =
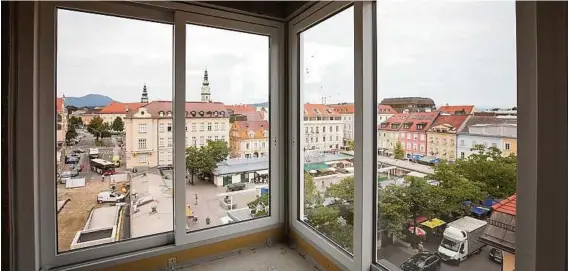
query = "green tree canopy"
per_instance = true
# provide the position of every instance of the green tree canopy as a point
(98, 128)
(311, 194)
(398, 151)
(344, 190)
(75, 122)
(118, 124)
(70, 134)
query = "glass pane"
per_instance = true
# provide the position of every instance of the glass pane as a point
(447, 134)
(227, 127)
(327, 130)
(113, 76)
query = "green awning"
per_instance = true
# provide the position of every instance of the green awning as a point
(382, 178)
(315, 166)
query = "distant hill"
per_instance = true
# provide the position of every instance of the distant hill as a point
(90, 100)
(265, 104)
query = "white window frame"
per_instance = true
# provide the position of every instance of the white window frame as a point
(275, 32)
(313, 15)
(142, 143)
(175, 14)
(142, 128)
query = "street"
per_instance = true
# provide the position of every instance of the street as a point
(107, 152)
(397, 254)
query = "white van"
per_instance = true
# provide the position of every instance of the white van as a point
(109, 196)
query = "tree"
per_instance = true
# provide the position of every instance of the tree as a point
(70, 134)
(311, 194)
(193, 161)
(344, 190)
(328, 221)
(260, 205)
(453, 190)
(118, 124)
(96, 127)
(498, 174)
(398, 151)
(350, 145)
(218, 150)
(399, 203)
(75, 122)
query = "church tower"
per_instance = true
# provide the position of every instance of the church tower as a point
(205, 91)
(144, 98)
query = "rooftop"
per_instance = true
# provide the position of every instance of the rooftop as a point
(102, 217)
(456, 109)
(319, 110)
(244, 128)
(407, 100)
(448, 123)
(347, 108)
(120, 108)
(397, 118)
(419, 121)
(385, 109)
(508, 205)
(59, 105)
(231, 166)
(163, 109)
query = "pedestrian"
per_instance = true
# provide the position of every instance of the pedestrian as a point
(420, 246)
(195, 199)
(103, 178)
(322, 184)
(207, 221)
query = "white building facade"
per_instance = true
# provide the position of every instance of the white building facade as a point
(323, 129)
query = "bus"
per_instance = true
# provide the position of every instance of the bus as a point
(93, 153)
(101, 166)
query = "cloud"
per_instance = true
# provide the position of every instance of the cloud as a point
(457, 52)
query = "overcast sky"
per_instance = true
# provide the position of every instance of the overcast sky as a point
(454, 52)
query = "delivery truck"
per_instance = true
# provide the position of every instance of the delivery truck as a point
(461, 239)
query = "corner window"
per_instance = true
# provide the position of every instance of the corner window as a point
(326, 201)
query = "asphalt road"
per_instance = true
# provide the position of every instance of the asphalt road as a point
(398, 254)
(106, 153)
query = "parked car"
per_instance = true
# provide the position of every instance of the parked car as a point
(109, 196)
(78, 167)
(79, 150)
(169, 166)
(423, 261)
(72, 160)
(70, 173)
(235, 187)
(496, 255)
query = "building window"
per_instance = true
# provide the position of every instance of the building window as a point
(216, 138)
(222, 126)
(317, 130)
(408, 136)
(142, 128)
(193, 127)
(331, 129)
(248, 146)
(323, 138)
(209, 126)
(507, 146)
(462, 155)
(169, 141)
(141, 143)
(216, 126)
(201, 140)
(193, 141)
(473, 143)
(422, 137)
(415, 137)
(141, 158)
(323, 129)
(169, 127)
(223, 138)
(201, 127)
(422, 148)
(161, 142)
(161, 127)
(462, 142)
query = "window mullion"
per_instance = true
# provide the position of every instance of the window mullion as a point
(179, 127)
(365, 129)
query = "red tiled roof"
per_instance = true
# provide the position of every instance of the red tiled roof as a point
(424, 118)
(319, 110)
(244, 127)
(119, 108)
(455, 121)
(385, 109)
(397, 118)
(507, 206)
(192, 109)
(344, 108)
(253, 116)
(452, 109)
(240, 108)
(59, 105)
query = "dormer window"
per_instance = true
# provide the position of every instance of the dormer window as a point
(384, 125)
(169, 113)
(251, 134)
(201, 113)
(420, 127)
(161, 113)
(406, 125)
(193, 113)
(265, 133)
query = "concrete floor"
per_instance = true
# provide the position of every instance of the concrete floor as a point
(276, 258)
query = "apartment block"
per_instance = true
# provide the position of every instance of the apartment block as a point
(442, 136)
(388, 133)
(413, 133)
(249, 139)
(488, 131)
(323, 129)
(149, 130)
(61, 120)
(347, 112)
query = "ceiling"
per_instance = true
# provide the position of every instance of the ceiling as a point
(275, 9)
